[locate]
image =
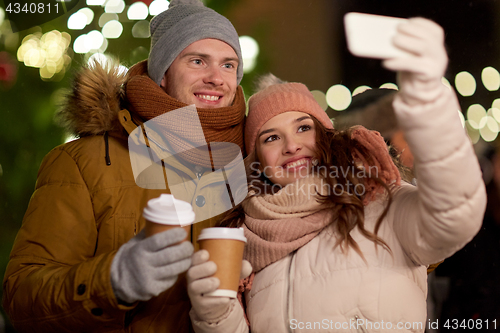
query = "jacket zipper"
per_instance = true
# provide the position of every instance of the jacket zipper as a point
(361, 328)
(289, 287)
(156, 143)
(198, 175)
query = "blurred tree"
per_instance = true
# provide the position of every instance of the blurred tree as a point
(27, 133)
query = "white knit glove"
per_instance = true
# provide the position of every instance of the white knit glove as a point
(420, 71)
(200, 281)
(145, 267)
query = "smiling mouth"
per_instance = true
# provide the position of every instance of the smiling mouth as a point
(298, 163)
(211, 98)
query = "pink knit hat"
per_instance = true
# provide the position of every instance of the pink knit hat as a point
(278, 98)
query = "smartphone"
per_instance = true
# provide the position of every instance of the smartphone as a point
(370, 36)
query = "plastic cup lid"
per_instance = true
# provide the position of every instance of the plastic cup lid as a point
(223, 233)
(167, 210)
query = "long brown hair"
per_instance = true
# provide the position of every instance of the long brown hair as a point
(334, 150)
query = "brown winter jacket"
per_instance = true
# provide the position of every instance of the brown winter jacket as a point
(85, 206)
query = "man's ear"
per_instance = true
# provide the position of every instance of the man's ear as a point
(163, 83)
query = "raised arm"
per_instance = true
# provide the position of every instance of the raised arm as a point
(446, 210)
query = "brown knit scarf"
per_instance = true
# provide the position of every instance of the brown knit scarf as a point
(225, 124)
(277, 224)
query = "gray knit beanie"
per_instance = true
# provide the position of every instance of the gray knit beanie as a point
(183, 23)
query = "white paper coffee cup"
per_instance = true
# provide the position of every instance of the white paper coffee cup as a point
(166, 212)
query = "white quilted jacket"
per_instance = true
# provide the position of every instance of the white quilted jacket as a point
(320, 289)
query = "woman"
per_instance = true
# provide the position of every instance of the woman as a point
(336, 240)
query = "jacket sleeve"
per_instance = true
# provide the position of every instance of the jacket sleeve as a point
(445, 210)
(231, 322)
(53, 281)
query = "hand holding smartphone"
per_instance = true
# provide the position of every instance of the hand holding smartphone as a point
(371, 36)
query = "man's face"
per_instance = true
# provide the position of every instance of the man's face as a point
(204, 74)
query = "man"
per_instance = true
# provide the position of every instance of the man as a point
(80, 262)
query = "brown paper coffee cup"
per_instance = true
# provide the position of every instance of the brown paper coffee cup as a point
(225, 247)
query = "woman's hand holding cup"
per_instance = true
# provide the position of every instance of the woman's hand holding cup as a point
(210, 303)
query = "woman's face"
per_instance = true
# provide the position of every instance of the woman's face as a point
(286, 146)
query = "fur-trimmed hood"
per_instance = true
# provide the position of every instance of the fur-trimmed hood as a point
(92, 105)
